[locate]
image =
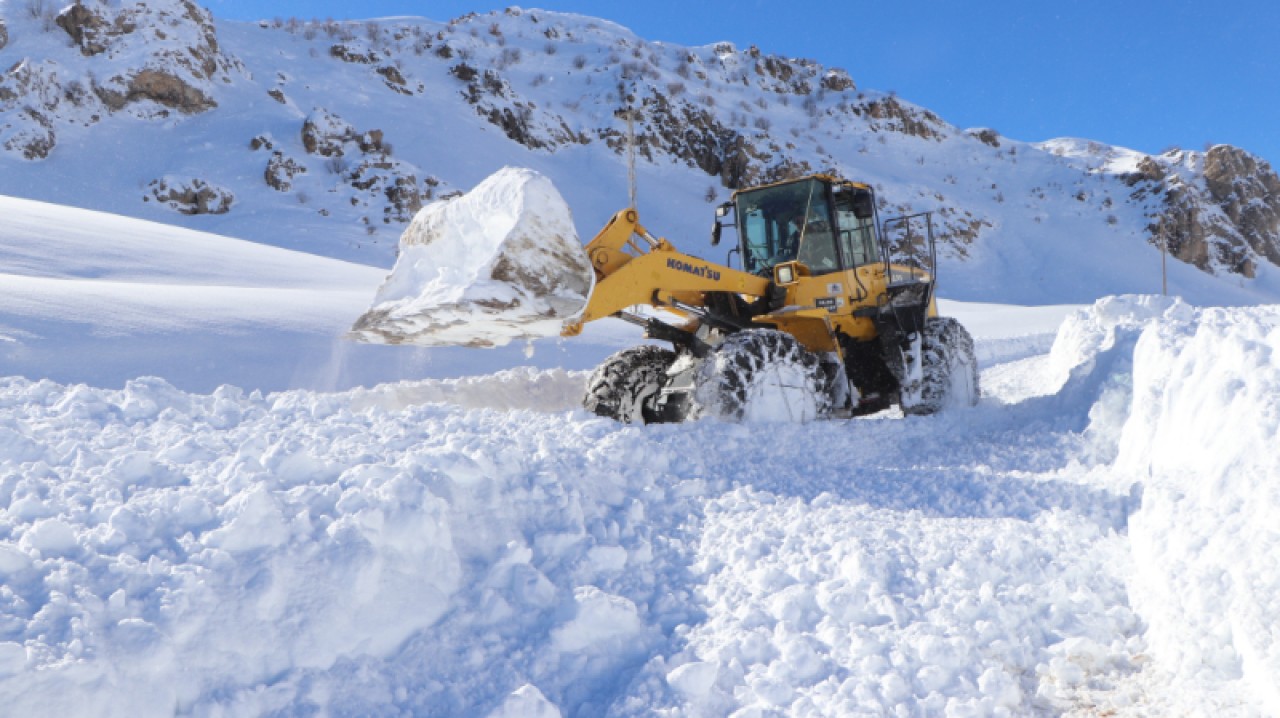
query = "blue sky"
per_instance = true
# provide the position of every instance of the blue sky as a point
(1137, 73)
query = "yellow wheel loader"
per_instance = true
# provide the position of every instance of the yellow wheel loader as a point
(831, 314)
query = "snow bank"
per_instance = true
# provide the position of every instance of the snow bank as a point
(1185, 403)
(1202, 438)
(499, 263)
(166, 553)
(480, 547)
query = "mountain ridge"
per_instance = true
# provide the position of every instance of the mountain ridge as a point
(328, 136)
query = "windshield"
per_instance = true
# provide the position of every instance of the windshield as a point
(785, 223)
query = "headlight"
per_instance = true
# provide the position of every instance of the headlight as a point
(786, 275)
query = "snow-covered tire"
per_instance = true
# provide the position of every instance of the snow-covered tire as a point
(949, 370)
(625, 386)
(761, 375)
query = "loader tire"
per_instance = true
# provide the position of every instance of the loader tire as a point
(949, 373)
(762, 375)
(625, 386)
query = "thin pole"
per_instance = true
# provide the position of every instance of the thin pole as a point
(631, 155)
(1164, 250)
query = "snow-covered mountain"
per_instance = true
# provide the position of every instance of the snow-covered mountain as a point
(327, 136)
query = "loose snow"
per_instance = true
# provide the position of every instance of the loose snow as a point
(501, 262)
(1096, 537)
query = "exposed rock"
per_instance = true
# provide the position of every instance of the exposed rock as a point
(497, 102)
(392, 181)
(157, 57)
(4, 34)
(1221, 218)
(34, 139)
(1148, 171)
(986, 136)
(277, 95)
(190, 196)
(85, 27)
(349, 54)
(281, 170)
(159, 87)
(837, 80)
(393, 78)
(362, 161)
(324, 133)
(900, 118)
(464, 72)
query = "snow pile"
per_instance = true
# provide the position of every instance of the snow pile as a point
(1202, 439)
(501, 262)
(836, 609)
(1089, 367)
(232, 554)
(1111, 324)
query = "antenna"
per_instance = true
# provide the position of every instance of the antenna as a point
(630, 113)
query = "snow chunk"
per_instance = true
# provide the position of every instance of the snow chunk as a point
(501, 262)
(51, 537)
(602, 617)
(694, 679)
(13, 658)
(526, 702)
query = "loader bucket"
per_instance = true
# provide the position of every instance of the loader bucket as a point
(499, 263)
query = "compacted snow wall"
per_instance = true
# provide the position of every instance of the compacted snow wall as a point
(1183, 406)
(1202, 440)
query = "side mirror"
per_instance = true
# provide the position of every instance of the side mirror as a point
(722, 211)
(864, 204)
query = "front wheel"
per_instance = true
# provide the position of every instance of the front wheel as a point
(762, 375)
(626, 385)
(949, 370)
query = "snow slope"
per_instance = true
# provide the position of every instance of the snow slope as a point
(98, 298)
(1094, 538)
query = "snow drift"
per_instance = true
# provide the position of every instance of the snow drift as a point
(1202, 439)
(501, 262)
(1095, 538)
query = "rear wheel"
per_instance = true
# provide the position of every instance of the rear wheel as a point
(762, 375)
(626, 385)
(949, 370)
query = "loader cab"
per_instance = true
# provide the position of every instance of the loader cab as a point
(826, 224)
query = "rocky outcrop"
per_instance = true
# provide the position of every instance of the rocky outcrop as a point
(893, 115)
(159, 87)
(89, 30)
(494, 99)
(35, 140)
(281, 170)
(29, 97)
(1219, 211)
(190, 196)
(147, 59)
(4, 34)
(1247, 191)
(362, 161)
(328, 135)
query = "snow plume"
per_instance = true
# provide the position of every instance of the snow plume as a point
(1202, 440)
(501, 262)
